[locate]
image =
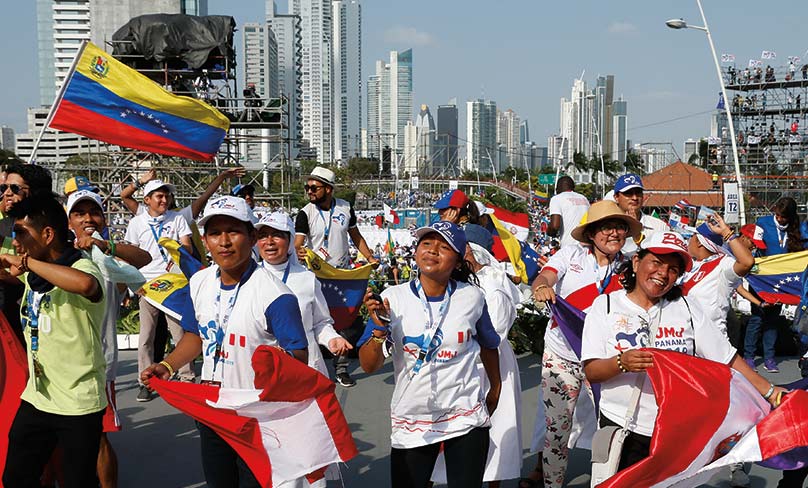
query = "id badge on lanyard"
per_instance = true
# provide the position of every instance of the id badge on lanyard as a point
(433, 325)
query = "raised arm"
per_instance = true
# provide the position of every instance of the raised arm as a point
(130, 189)
(199, 204)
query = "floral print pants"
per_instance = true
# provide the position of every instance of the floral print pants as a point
(561, 382)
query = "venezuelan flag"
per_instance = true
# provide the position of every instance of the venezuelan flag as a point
(780, 278)
(541, 197)
(106, 100)
(170, 293)
(344, 289)
(187, 263)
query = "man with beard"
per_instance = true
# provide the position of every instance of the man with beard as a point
(326, 223)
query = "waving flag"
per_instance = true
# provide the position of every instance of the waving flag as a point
(288, 427)
(541, 197)
(516, 223)
(390, 215)
(13, 377)
(779, 278)
(106, 100)
(571, 322)
(727, 422)
(343, 289)
(169, 292)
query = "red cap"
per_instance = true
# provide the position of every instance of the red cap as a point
(755, 234)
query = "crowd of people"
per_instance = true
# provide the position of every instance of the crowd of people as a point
(441, 306)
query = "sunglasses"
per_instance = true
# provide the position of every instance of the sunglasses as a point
(313, 188)
(15, 189)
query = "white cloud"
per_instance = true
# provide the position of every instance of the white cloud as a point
(409, 36)
(622, 28)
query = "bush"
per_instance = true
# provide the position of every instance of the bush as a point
(527, 333)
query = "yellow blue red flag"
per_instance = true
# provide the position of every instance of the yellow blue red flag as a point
(169, 292)
(344, 289)
(779, 278)
(106, 100)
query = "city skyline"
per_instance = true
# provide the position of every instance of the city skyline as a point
(665, 74)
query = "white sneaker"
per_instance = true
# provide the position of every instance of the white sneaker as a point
(738, 476)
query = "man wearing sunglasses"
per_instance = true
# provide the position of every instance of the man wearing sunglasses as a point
(326, 223)
(22, 181)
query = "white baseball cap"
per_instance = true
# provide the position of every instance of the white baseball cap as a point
(482, 209)
(277, 220)
(229, 206)
(81, 195)
(154, 185)
(668, 243)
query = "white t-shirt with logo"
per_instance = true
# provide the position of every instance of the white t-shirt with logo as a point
(571, 207)
(628, 326)
(445, 399)
(141, 232)
(580, 280)
(710, 285)
(265, 313)
(313, 222)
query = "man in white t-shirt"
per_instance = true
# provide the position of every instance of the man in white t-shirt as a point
(567, 208)
(629, 194)
(145, 230)
(326, 224)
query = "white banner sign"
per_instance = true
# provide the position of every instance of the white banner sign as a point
(453, 184)
(755, 63)
(731, 203)
(794, 59)
(414, 183)
(727, 58)
(768, 55)
(713, 140)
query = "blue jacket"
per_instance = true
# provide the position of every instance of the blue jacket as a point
(770, 236)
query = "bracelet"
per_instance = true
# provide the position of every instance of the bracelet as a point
(620, 363)
(542, 285)
(137, 183)
(730, 235)
(378, 339)
(168, 367)
(769, 393)
(734, 236)
(24, 263)
(111, 247)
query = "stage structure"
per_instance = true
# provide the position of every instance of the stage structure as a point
(202, 67)
(768, 105)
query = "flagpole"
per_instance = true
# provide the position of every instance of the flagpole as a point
(59, 97)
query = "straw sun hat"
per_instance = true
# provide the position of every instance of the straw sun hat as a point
(604, 210)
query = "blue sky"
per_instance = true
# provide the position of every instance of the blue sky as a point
(522, 53)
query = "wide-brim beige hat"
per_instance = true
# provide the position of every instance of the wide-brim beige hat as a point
(603, 210)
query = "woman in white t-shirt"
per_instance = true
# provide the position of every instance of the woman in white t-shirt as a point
(650, 312)
(578, 273)
(437, 326)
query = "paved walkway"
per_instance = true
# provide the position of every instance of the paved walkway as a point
(159, 447)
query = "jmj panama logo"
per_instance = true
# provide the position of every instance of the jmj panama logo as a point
(99, 66)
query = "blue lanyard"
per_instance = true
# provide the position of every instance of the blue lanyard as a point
(285, 272)
(327, 224)
(433, 324)
(34, 300)
(156, 235)
(223, 321)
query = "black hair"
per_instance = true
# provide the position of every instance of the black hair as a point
(787, 207)
(565, 183)
(35, 176)
(628, 278)
(44, 211)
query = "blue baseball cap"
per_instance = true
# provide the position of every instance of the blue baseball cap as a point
(240, 189)
(628, 182)
(454, 235)
(709, 239)
(479, 235)
(452, 198)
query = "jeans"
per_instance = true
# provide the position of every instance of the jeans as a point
(764, 319)
(465, 461)
(793, 479)
(223, 467)
(35, 434)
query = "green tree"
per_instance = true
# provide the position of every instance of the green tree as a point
(634, 163)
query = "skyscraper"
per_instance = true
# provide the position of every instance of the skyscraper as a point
(260, 65)
(390, 102)
(289, 37)
(446, 153)
(481, 135)
(524, 132)
(316, 79)
(7, 139)
(370, 144)
(619, 142)
(508, 125)
(347, 78)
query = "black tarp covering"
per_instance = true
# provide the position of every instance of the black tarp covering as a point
(177, 37)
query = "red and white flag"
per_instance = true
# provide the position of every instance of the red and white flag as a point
(709, 417)
(13, 377)
(390, 215)
(289, 426)
(517, 223)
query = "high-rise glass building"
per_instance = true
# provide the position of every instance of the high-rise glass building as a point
(390, 105)
(619, 142)
(481, 135)
(446, 154)
(316, 75)
(347, 78)
(289, 39)
(259, 62)
(508, 125)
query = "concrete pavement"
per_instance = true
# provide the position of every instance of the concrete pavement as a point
(159, 447)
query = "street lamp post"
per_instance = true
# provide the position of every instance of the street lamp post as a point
(681, 24)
